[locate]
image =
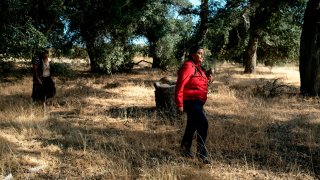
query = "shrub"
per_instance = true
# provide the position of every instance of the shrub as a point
(62, 69)
(6, 66)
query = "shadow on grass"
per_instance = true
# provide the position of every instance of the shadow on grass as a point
(6, 147)
(128, 146)
(296, 142)
(134, 112)
(137, 113)
(15, 101)
(15, 72)
(278, 147)
(138, 82)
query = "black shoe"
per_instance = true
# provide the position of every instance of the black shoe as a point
(186, 153)
(204, 159)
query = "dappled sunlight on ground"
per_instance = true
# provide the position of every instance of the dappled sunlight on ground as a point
(107, 127)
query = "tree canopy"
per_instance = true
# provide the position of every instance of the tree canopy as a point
(243, 31)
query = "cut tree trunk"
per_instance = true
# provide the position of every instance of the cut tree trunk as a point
(164, 97)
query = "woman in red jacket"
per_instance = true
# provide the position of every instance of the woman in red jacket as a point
(190, 96)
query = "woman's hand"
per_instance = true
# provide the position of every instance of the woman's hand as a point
(39, 81)
(210, 75)
(210, 78)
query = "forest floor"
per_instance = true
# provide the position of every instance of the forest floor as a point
(107, 127)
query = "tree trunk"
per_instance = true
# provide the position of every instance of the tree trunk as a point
(261, 13)
(309, 66)
(94, 66)
(156, 61)
(164, 97)
(203, 28)
(251, 61)
(89, 39)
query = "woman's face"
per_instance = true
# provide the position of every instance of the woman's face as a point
(45, 57)
(198, 56)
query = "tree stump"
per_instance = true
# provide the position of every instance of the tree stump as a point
(164, 97)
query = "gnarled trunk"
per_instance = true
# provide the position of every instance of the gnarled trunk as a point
(89, 39)
(310, 50)
(94, 66)
(156, 61)
(251, 61)
(203, 28)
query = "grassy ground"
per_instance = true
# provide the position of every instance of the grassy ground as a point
(107, 127)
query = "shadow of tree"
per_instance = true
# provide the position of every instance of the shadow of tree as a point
(6, 147)
(112, 85)
(292, 142)
(83, 91)
(274, 146)
(147, 83)
(135, 112)
(15, 100)
(279, 147)
(262, 87)
(133, 147)
(16, 73)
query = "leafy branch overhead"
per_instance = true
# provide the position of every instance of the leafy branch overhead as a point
(106, 31)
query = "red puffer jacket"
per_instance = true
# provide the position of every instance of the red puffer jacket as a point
(192, 83)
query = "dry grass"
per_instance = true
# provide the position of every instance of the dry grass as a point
(106, 127)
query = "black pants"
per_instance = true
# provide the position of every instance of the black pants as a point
(46, 90)
(196, 121)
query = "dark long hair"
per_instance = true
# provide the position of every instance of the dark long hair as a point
(42, 53)
(194, 50)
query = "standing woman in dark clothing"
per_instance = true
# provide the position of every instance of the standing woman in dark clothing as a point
(190, 96)
(43, 85)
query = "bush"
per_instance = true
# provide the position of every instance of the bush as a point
(6, 66)
(111, 58)
(62, 69)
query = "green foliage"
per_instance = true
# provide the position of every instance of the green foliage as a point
(166, 48)
(113, 58)
(104, 29)
(228, 34)
(275, 49)
(167, 35)
(236, 43)
(6, 67)
(280, 41)
(279, 30)
(62, 70)
(19, 37)
(78, 52)
(216, 42)
(22, 41)
(74, 52)
(25, 26)
(140, 49)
